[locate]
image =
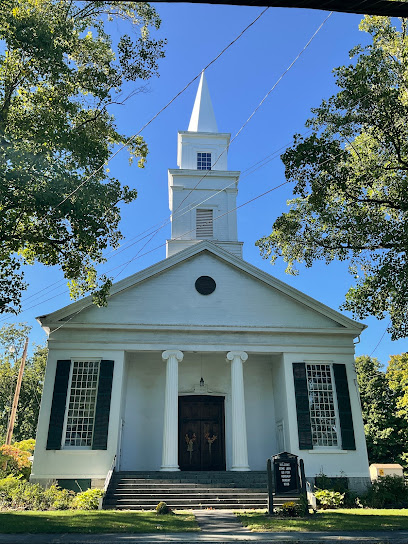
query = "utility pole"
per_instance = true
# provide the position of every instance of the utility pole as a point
(12, 419)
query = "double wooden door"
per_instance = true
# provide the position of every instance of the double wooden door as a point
(201, 433)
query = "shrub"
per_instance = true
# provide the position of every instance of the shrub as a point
(14, 461)
(351, 500)
(26, 445)
(329, 499)
(6, 486)
(18, 494)
(57, 498)
(162, 508)
(290, 510)
(26, 496)
(88, 500)
(335, 483)
(387, 492)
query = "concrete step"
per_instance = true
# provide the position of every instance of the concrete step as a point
(184, 489)
(226, 506)
(183, 500)
(228, 490)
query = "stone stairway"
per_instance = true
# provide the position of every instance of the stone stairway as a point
(189, 490)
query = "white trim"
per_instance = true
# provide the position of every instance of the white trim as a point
(326, 450)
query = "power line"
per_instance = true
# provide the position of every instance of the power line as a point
(381, 339)
(261, 102)
(158, 113)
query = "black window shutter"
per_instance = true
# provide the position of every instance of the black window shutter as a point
(59, 401)
(343, 402)
(302, 406)
(103, 400)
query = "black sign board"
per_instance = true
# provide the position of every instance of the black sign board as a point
(285, 466)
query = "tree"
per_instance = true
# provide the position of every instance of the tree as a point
(386, 433)
(350, 176)
(31, 387)
(59, 75)
(397, 375)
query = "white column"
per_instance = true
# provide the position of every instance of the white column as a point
(239, 434)
(170, 429)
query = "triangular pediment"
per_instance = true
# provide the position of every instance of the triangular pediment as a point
(245, 297)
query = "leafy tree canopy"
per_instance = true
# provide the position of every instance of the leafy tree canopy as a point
(350, 177)
(386, 432)
(31, 387)
(397, 374)
(59, 74)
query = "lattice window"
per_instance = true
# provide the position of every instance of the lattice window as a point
(203, 161)
(82, 402)
(204, 223)
(323, 415)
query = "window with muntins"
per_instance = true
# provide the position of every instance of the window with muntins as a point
(81, 406)
(323, 416)
(204, 223)
(203, 161)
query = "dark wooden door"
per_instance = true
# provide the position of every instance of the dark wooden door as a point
(201, 433)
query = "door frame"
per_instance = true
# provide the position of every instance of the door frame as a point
(222, 422)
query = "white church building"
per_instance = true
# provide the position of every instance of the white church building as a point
(201, 361)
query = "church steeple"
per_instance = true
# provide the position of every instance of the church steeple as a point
(202, 117)
(203, 192)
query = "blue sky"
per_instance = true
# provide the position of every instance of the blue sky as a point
(237, 81)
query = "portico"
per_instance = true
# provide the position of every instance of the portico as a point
(154, 386)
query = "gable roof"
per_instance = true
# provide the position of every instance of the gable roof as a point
(67, 312)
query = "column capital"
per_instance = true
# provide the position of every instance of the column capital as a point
(172, 353)
(231, 355)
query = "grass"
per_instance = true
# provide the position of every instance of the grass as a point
(366, 519)
(95, 521)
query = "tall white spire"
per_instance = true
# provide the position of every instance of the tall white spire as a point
(203, 118)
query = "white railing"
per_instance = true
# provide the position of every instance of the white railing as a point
(311, 497)
(109, 475)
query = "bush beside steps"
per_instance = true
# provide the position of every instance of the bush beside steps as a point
(18, 494)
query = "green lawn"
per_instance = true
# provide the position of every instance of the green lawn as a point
(330, 520)
(95, 521)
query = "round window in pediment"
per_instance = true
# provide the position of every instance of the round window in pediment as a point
(205, 285)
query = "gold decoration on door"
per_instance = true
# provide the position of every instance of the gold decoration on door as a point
(190, 444)
(210, 440)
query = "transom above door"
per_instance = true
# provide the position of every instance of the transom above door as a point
(201, 433)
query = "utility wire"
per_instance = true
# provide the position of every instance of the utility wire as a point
(261, 102)
(158, 113)
(380, 340)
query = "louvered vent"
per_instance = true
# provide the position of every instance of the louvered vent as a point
(204, 224)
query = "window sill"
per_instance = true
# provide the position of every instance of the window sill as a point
(78, 450)
(327, 451)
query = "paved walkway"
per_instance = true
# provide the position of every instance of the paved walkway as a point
(217, 527)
